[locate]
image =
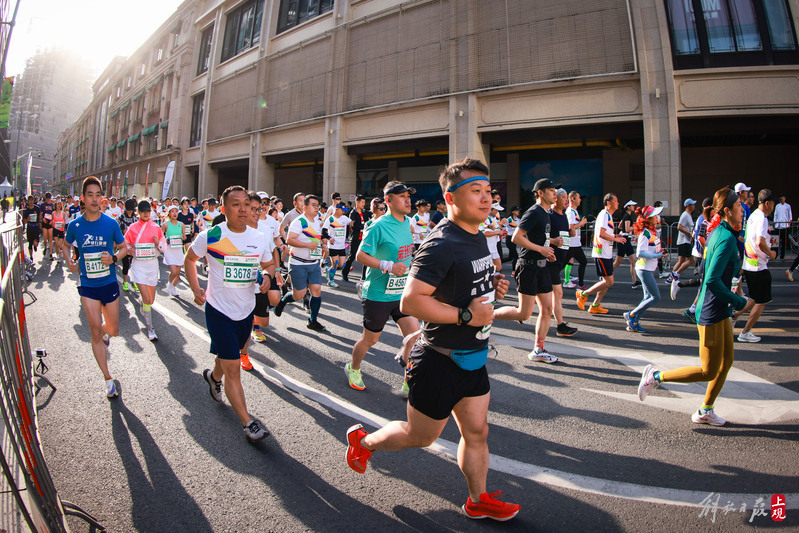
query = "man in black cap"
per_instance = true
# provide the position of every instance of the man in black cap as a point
(757, 252)
(358, 220)
(532, 237)
(602, 252)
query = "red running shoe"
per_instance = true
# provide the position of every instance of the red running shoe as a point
(490, 507)
(357, 455)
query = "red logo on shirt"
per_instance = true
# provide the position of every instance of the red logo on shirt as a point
(405, 252)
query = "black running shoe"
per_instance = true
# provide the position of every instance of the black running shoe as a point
(564, 330)
(316, 326)
(255, 431)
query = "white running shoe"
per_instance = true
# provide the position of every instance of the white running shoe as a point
(569, 285)
(675, 288)
(540, 354)
(648, 382)
(748, 336)
(111, 388)
(789, 274)
(709, 417)
(152, 336)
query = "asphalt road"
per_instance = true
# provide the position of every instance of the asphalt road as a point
(570, 441)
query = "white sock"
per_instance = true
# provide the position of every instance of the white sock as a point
(692, 308)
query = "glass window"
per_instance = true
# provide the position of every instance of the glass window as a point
(205, 49)
(747, 36)
(683, 27)
(197, 108)
(779, 25)
(719, 30)
(294, 12)
(243, 29)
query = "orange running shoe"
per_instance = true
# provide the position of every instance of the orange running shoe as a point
(357, 455)
(490, 507)
(581, 299)
(245, 361)
(598, 310)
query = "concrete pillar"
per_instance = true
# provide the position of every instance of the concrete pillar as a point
(340, 168)
(658, 99)
(464, 140)
(513, 181)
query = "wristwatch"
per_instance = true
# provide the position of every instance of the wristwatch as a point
(464, 316)
(114, 258)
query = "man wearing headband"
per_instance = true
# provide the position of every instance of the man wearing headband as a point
(450, 287)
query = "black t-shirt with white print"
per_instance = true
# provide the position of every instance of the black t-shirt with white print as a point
(459, 265)
(535, 222)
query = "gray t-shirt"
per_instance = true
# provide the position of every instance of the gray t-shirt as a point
(688, 223)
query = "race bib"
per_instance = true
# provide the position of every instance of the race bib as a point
(316, 253)
(657, 245)
(485, 332)
(175, 241)
(339, 234)
(240, 271)
(546, 243)
(186, 230)
(145, 251)
(566, 238)
(33, 217)
(396, 284)
(634, 240)
(59, 224)
(94, 265)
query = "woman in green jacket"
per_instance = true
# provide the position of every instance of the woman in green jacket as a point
(713, 311)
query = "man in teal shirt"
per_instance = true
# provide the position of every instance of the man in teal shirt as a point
(386, 251)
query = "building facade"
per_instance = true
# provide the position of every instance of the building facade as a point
(651, 99)
(53, 89)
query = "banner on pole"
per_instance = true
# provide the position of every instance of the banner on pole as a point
(147, 182)
(5, 100)
(170, 171)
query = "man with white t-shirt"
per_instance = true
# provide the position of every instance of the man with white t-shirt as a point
(269, 226)
(420, 223)
(335, 228)
(575, 244)
(236, 254)
(307, 247)
(685, 237)
(757, 252)
(783, 216)
(602, 252)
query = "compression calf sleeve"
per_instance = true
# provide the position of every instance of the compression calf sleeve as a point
(316, 303)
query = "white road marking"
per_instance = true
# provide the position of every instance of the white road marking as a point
(745, 399)
(547, 476)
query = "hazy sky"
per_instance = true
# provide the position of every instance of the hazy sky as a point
(97, 29)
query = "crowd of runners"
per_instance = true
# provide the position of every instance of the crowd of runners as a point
(435, 270)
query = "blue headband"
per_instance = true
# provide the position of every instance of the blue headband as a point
(464, 182)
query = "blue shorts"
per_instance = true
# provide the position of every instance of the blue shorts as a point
(106, 294)
(227, 336)
(304, 275)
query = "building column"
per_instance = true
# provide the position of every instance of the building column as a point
(658, 101)
(464, 140)
(340, 168)
(262, 173)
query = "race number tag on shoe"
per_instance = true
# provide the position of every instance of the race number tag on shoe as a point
(94, 265)
(240, 271)
(175, 241)
(145, 251)
(396, 284)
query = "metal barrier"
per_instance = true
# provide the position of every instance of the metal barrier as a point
(22, 460)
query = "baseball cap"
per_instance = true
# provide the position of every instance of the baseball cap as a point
(628, 204)
(341, 205)
(545, 183)
(171, 207)
(76, 198)
(765, 195)
(496, 206)
(211, 201)
(650, 211)
(688, 201)
(742, 187)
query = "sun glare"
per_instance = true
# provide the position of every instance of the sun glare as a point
(95, 30)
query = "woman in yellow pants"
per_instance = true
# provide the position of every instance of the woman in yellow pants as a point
(713, 311)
